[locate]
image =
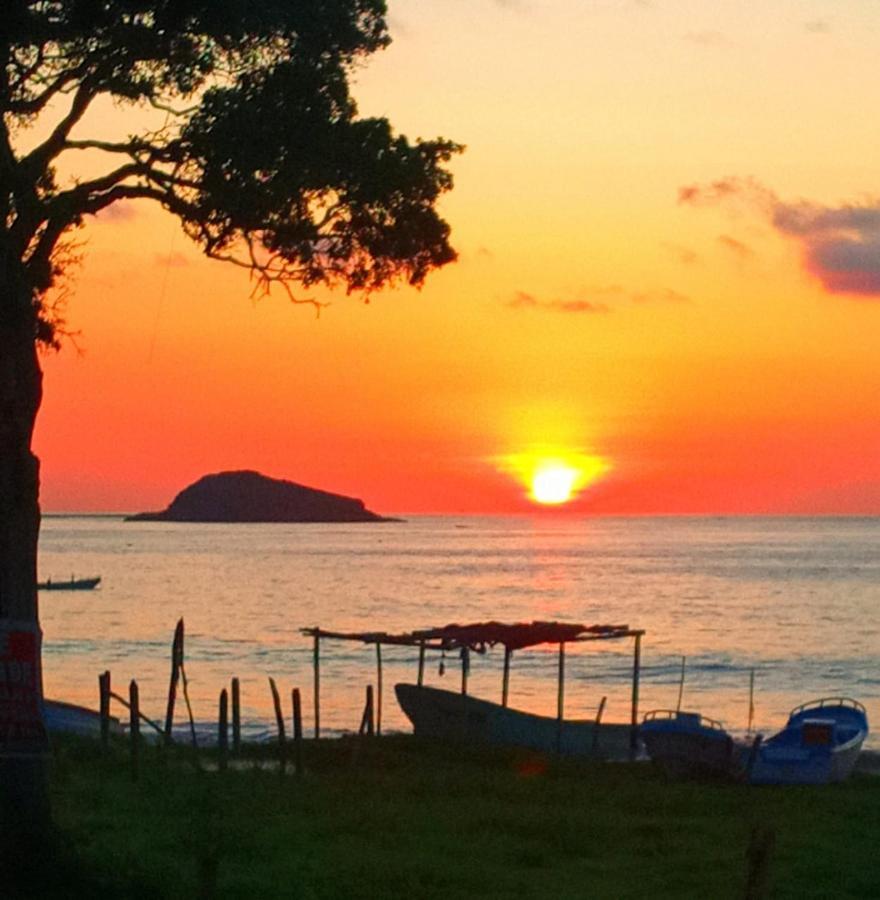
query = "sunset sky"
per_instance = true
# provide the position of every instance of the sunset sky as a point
(668, 221)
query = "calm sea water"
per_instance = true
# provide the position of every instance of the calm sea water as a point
(797, 600)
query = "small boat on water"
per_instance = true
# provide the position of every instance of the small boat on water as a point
(820, 743)
(451, 716)
(73, 584)
(687, 744)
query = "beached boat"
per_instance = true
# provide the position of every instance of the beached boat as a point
(686, 744)
(73, 584)
(819, 744)
(448, 715)
(68, 717)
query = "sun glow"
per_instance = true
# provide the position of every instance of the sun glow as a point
(553, 477)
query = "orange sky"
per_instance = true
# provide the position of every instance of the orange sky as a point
(669, 260)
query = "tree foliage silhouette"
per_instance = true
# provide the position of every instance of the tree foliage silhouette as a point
(257, 149)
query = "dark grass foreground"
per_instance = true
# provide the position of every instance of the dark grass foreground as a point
(400, 818)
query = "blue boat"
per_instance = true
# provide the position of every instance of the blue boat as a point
(686, 744)
(819, 744)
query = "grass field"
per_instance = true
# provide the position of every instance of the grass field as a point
(401, 818)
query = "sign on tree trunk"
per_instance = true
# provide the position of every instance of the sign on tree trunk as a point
(22, 732)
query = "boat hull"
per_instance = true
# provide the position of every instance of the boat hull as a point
(820, 744)
(75, 584)
(449, 716)
(683, 746)
(72, 719)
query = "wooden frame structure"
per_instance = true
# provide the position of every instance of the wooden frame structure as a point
(478, 638)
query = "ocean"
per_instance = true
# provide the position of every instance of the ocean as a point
(794, 600)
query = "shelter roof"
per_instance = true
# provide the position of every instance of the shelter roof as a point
(479, 636)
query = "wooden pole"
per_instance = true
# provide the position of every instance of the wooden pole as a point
(378, 688)
(368, 722)
(465, 668)
(505, 681)
(680, 685)
(189, 709)
(421, 678)
(751, 701)
(134, 726)
(176, 661)
(560, 698)
(297, 731)
(317, 664)
(223, 731)
(236, 717)
(104, 691)
(634, 718)
(597, 727)
(279, 721)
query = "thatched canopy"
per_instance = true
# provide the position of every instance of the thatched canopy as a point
(479, 636)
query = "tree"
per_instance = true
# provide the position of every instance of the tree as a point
(259, 152)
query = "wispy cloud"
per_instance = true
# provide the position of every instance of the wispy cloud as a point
(170, 260)
(840, 244)
(817, 26)
(737, 248)
(602, 299)
(118, 212)
(707, 38)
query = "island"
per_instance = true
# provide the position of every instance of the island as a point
(246, 496)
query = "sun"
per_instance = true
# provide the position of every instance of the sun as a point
(553, 476)
(554, 483)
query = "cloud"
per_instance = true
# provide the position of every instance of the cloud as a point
(597, 300)
(171, 260)
(737, 248)
(684, 255)
(118, 212)
(840, 244)
(523, 300)
(707, 39)
(818, 26)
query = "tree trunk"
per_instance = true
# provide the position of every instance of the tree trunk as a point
(24, 810)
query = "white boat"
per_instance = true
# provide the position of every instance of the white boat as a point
(452, 716)
(819, 744)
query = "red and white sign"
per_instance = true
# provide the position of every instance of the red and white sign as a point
(22, 731)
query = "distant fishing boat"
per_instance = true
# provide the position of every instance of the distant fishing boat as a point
(74, 584)
(687, 744)
(820, 743)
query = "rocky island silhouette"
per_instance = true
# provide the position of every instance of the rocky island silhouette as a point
(247, 496)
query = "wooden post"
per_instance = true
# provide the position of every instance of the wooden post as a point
(236, 717)
(634, 717)
(367, 722)
(505, 681)
(465, 668)
(680, 685)
(759, 856)
(279, 721)
(176, 661)
(597, 727)
(751, 701)
(297, 731)
(134, 726)
(317, 663)
(378, 688)
(421, 678)
(104, 690)
(223, 731)
(560, 698)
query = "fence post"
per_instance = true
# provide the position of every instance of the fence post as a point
(223, 731)
(236, 717)
(134, 727)
(104, 689)
(176, 660)
(297, 732)
(279, 721)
